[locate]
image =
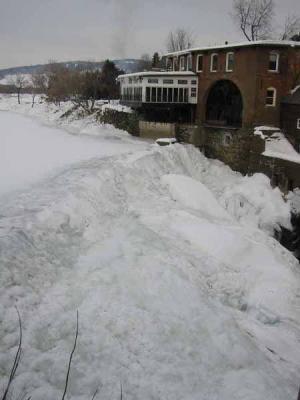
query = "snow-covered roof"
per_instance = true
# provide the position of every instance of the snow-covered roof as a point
(275, 43)
(159, 73)
(276, 144)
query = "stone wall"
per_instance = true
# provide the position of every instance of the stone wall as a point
(242, 151)
(126, 121)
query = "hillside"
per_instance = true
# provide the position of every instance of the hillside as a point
(128, 65)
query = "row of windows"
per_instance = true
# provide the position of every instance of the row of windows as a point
(166, 95)
(171, 81)
(185, 63)
(132, 93)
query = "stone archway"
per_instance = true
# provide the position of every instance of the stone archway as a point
(224, 105)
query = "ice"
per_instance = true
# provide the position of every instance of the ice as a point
(181, 290)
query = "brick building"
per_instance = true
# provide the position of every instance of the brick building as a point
(230, 90)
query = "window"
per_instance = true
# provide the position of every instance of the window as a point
(181, 95)
(194, 82)
(159, 95)
(229, 62)
(189, 62)
(130, 80)
(175, 95)
(182, 82)
(175, 64)
(165, 95)
(193, 92)
(274, 62)
(169, 64)
(298, 123)
(153, 95)
(182, 63)
(200, 63)
(227, 139)
(170, 95)
(151, 80)
(148, 91)
(168, 81)
(271, 97)
(214, 62)
(185, 95)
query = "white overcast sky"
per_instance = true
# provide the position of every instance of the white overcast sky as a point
(35, 31)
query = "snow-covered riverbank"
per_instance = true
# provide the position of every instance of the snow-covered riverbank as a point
(181, 290)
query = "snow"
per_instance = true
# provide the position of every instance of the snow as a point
(277, 145)
(277, 43)
(179, 295)
(29, 151)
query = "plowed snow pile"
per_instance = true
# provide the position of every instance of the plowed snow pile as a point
(182, 292)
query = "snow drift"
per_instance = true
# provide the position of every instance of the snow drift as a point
(182, 293)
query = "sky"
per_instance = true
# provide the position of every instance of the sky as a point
(36, 31)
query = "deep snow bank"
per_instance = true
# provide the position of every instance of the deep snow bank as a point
(181, 290)
(175, 301)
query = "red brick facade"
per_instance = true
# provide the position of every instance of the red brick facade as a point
(252, 76)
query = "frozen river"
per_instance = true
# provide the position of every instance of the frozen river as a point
(30, 150)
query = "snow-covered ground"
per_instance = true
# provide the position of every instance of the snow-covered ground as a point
(168, 256)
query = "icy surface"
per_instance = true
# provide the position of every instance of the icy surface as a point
(179, 297)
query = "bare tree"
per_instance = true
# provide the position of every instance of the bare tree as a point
(19, 82)
(291, 27)
(180, 39)
(38, 85)
(144, 63)
(16, 360)
(254, 17)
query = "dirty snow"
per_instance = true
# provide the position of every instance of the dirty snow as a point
(179, 295)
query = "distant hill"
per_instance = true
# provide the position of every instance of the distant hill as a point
(128, 65)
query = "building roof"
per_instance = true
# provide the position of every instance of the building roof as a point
(260, 43)
(293, 97)
(160, 73)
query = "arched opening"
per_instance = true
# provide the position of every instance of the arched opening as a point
(224, 106)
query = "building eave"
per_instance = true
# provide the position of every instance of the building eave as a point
(159, 73)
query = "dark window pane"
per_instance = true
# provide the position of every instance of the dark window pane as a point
(170, 97)
(165, 95)
(153, 95)
(159, 95)
(186, 100)
(200, 63)
(180, 95)
(273, 62)
(175, 95)
(148, 91)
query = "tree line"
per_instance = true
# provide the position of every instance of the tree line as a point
(59, 84)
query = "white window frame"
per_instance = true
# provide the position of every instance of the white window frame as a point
(212, 63)
(298, 123)
(198, 56)
(182, 63)
(274, 97)
(277, 61)
(227, 59)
